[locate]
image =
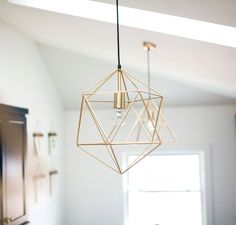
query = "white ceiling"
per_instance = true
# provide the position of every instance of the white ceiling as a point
(140, 19)
(187, 72)
(73, 73)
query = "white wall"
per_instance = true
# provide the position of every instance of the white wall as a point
(24, 82)
(95, 195)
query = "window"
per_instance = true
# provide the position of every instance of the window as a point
(165, 190)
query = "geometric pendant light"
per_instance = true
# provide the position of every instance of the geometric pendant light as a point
(164, 131)
(110, 109)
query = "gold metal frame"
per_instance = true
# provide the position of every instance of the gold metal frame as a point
(163, 126)
(132, 94)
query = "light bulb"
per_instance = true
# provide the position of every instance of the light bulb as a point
(118, 117)
(149, 125)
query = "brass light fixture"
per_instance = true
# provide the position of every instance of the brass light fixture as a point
(164, 131)
(109, 113)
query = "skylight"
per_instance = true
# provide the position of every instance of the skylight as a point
(141, 19)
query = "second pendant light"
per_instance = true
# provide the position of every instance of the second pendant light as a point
(164, 131)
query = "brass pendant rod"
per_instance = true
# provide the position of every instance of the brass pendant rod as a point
(148, 71)
(149, 46)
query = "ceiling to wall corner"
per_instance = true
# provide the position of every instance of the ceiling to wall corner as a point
(186, 71)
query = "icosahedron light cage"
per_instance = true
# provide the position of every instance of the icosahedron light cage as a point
(108, 120)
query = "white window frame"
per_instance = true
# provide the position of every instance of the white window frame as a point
(204, 154)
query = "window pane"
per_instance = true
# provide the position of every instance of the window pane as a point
(166, 172)
(175, 208)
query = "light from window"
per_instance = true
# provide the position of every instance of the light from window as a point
(165, 190)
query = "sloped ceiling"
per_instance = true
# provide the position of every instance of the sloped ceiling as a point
(73, 73)
(79, 50)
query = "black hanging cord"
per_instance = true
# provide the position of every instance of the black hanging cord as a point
(118, 35)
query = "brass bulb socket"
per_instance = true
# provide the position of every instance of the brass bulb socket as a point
(119, 100)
